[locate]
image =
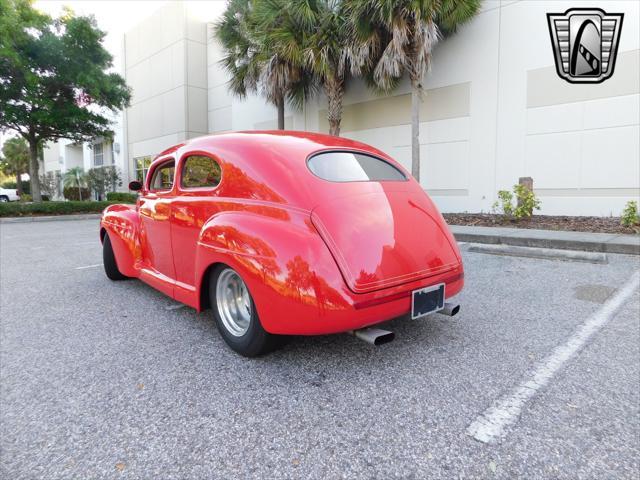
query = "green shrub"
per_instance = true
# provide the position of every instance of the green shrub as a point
(526, 200)
(630, 217)
(504, 203)
(122, 197)
(73, 193)
(25, 197)
(9, 184)
(19, 209)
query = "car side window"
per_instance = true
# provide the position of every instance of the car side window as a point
(199, 171)
(163, 176)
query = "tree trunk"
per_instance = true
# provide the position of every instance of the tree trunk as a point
(415, 129)
(334, 89)
(19, 183)
(280, 105)
(33, 170)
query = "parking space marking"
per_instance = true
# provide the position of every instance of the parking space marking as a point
(491, 426)
(89, 266)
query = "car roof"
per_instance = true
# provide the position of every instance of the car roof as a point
(273, 158)
(282, 139)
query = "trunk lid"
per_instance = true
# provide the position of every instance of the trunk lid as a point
(385, 238)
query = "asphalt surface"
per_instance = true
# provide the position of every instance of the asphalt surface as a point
(102, 379)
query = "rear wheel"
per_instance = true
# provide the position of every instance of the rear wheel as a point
(4, 198)
(236, 315)
(109, 261)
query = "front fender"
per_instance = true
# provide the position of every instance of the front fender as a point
(294, 280)
(121, 223)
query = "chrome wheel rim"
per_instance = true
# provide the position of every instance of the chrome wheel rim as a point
(234, 302)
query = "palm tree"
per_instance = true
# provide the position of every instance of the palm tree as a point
(252, 63)
(75, 177)
(393, 37)
(15, 159)
(313, 34)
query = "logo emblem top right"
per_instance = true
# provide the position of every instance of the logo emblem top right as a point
(585, 43)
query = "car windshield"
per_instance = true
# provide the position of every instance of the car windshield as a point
(353, 167)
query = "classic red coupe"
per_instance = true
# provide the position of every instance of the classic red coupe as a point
(285, 233)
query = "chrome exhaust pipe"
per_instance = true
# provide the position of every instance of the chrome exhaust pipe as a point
(450, 309)
(373, 336)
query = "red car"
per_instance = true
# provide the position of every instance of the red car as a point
(285, 233)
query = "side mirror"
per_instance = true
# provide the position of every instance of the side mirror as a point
(135, 185)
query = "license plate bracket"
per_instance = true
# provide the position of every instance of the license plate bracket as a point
(427, 300)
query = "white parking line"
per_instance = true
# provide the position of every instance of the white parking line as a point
(89, 266)
(490, 426)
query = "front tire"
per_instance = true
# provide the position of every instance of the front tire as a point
(236, 315)
(109, 261)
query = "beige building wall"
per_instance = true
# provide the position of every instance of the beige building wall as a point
(494, 110)
(165, 63)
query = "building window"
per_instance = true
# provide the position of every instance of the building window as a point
(141, 165)
(98, 155)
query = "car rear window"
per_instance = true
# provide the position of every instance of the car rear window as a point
(352, 167)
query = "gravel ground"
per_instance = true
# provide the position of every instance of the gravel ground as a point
(105, 379)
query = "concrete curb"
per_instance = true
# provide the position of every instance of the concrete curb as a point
(545, 253)
(521, 237)
(52, 218)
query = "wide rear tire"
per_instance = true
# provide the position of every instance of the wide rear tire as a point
(109, 261)
(236, 315)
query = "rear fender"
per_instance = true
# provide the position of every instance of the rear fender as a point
(289, 270)
(121, 223)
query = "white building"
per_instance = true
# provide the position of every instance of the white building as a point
(63, 155)
(495, 109)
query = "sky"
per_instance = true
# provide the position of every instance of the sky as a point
(113, 16)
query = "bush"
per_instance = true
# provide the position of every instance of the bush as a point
(504, 203)
(72, 193)
(18, 209)
(11, 184)
(122, 197)
(630, 217)
(526, 202)
(25, 197)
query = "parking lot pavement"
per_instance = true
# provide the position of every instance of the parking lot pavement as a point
(105, 379)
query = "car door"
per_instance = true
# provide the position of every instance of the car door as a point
(196, 201)
(155, 222)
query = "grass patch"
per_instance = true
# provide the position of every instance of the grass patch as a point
(19, 209)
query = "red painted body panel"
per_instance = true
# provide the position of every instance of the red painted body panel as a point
(318, 257)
